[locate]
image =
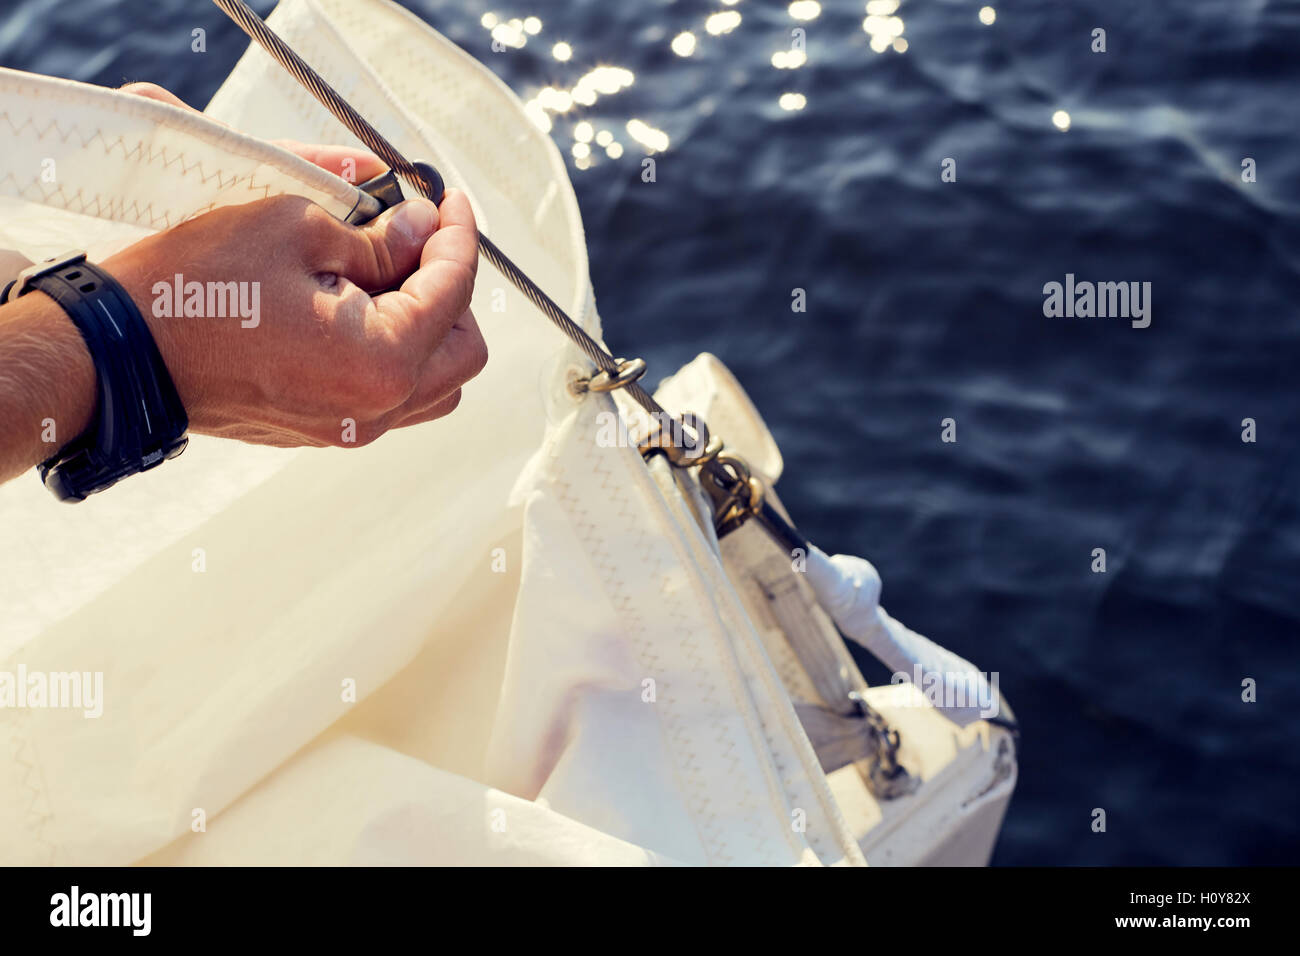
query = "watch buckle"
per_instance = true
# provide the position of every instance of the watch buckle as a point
(33, 272)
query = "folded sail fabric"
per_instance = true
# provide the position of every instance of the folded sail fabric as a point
(485, 640)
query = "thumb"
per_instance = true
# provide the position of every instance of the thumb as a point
(386, 250)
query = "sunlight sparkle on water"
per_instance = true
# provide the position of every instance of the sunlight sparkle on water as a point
(605, 80)
(885, 29)
(654, 140)
(510, 33)
(684, 43)
(556, 101)
(552, 101)
(722, 22)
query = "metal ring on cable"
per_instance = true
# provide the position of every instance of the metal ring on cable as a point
(736, 500)
(675, 449)
(678, 451)
(711, 451)
(629, 370)
(676, 454)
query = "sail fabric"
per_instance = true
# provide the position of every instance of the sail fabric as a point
(490, 639)
(75, 150)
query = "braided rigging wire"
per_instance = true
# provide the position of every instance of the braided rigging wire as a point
(252, 24)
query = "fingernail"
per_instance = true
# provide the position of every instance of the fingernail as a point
(415, 218)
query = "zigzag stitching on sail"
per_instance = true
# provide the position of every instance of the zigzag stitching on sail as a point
(689, 647)
(687, 766)
(817, 836)
(117, 208)
(702, 801)
(727, 750)
(149, 156)
(35, 820)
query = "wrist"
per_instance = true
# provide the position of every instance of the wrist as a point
(139, 420)
(48, 384)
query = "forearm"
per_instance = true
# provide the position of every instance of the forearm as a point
(47, 383)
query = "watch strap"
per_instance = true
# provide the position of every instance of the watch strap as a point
(139, 420)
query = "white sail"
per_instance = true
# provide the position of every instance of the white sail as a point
(554, 661)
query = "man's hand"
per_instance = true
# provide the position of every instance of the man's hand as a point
(325, 362)
(357, 329)
(326, 353)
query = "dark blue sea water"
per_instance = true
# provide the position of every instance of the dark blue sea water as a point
(925, 302)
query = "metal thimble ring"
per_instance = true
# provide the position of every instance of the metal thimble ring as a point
(629, 370)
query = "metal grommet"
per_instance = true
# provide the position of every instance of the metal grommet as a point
(629, 370)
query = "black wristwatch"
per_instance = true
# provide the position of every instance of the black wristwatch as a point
(139, 421)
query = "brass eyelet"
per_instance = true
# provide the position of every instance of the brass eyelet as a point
(629, 371)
